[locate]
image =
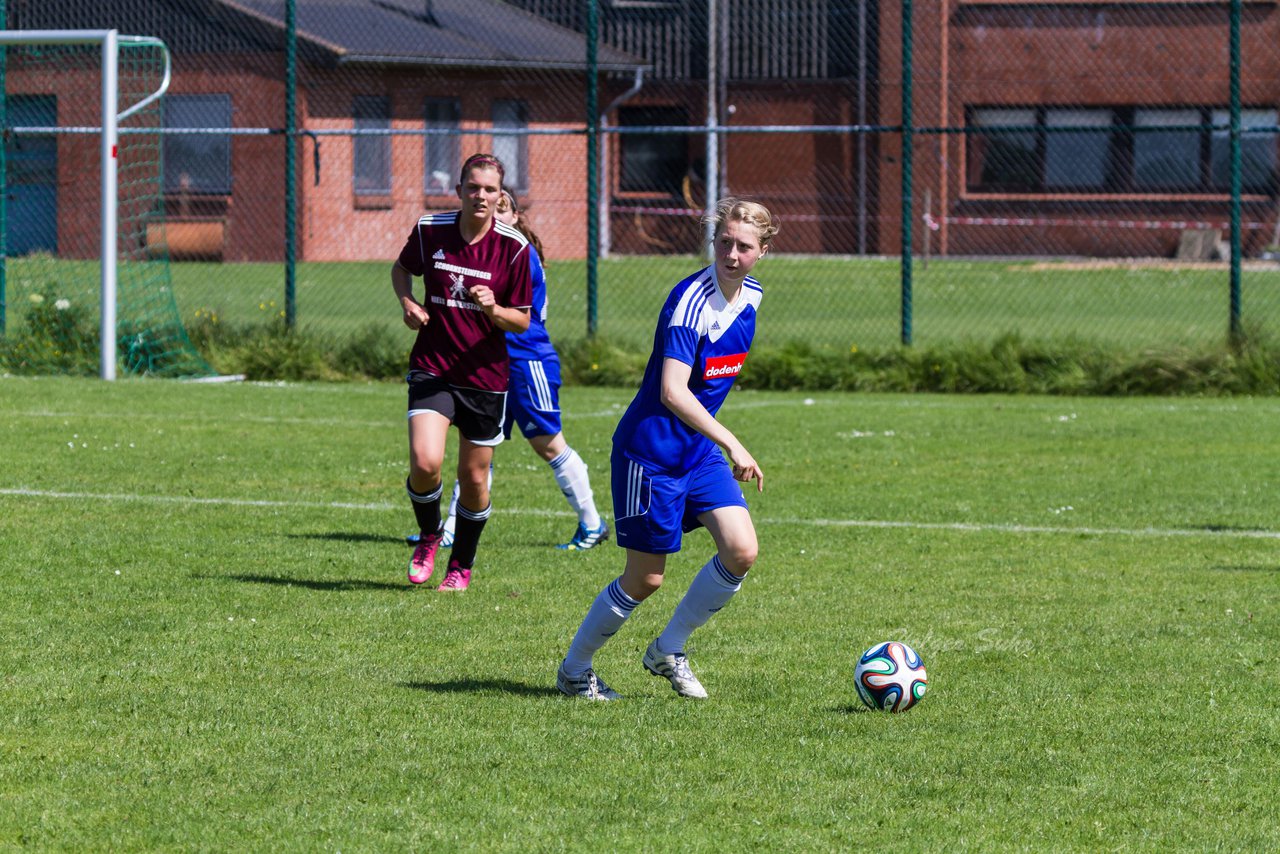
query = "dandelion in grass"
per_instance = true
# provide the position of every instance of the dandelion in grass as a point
(62, 304)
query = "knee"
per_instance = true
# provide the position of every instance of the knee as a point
(423, 469)
(738, 558)
(641, 586)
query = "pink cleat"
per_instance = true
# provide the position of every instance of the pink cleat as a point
(424, 558)
(456, 580)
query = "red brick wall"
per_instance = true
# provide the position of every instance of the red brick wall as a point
(970, 53)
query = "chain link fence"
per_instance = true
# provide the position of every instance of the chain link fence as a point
(1072, 171)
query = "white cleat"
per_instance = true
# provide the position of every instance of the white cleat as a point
(675, 669)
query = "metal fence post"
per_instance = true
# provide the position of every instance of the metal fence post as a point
(290, 163)
(1236, 176)
(593, 157)
(4, 182)
(906, 171)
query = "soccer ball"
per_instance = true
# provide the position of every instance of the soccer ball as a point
(890, 677)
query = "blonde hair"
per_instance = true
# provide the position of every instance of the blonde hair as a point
(732, 209)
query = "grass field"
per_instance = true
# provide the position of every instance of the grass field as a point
(833, 302)
(210, 644)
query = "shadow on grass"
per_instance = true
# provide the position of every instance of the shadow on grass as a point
(310, 584)
(348, 537)
(851, 709)
(482, 686)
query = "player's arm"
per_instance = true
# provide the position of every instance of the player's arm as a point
(507, 319)
(677, 397)
(415, 313)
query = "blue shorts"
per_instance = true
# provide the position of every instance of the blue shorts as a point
(651, 511)
(533, 397)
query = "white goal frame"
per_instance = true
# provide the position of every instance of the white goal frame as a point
(109, 41)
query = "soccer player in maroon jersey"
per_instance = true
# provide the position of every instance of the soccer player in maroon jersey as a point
(477, 288)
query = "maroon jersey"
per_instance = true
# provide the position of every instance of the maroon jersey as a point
(459, 343)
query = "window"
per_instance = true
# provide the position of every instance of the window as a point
(197, 162)
(1115, 150)
(1004, 160)
(443, 153)
(653, 162)
(1077, 160)
(512, 149)
(1168, 160)
(1257, 152)
(372, 152)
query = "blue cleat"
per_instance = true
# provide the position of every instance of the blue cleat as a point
(584, 539)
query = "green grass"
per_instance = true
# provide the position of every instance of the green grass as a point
(209, 642)
(830, 302)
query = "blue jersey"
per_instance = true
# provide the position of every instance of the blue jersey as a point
(698, 327)
(534, 344)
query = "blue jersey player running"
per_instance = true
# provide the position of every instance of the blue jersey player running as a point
(675, 467)
(533, 402)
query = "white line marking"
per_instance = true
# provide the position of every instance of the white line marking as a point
(820, 523)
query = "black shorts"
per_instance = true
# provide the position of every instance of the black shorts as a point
(477, 414)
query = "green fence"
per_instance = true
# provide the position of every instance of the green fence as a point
(945, 173)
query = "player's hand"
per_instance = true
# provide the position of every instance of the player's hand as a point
(482, 296)
(745, 468)
(415, 313)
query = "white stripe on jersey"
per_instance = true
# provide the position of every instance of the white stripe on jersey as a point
(688, 311)
(703, 308)
(511, 231)
(442, 218)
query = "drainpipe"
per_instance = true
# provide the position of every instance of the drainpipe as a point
(606, 238)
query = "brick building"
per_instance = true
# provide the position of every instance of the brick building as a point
(1009, 75)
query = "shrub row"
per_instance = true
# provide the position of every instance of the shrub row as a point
(1008, 365)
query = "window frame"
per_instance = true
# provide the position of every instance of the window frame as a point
(208, 146)
(516, 165)
(666, 147)
(1121, 178)
(367, 150)
(447, 150)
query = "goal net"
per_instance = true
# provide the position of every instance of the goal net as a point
(78, 296)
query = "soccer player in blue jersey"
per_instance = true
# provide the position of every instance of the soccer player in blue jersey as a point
(669, 474)
(533, 401)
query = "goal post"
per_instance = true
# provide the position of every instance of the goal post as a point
(150, 327)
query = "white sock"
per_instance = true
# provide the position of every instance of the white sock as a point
(605, 616)
(711, 590)
(571, 477)
(451, 519)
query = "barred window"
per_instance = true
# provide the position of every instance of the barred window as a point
(197, 162)
(1116, 150)
(653, 163)
(443, 153)
(512, 149)
(372, 153)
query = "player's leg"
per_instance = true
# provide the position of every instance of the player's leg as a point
(717, 503)
(647, 512)
(535, 405)
(450, 521)
(641, 576)
(451, 518)
(479, 421)
(428, 431)
(570, 472)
